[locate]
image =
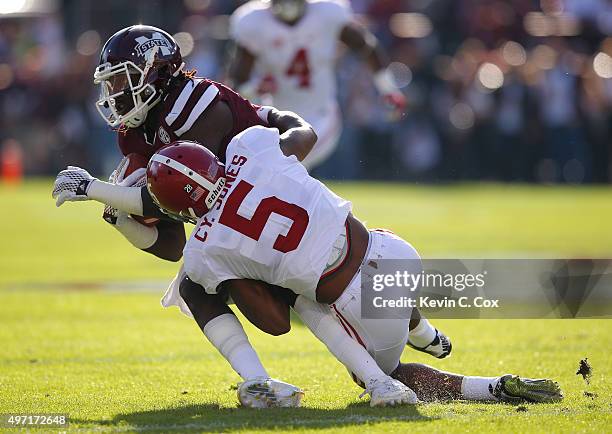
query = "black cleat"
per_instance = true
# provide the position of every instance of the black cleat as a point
(440, 347)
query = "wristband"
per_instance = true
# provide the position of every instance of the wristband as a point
(263, 113)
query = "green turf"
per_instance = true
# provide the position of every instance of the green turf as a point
(115, 360)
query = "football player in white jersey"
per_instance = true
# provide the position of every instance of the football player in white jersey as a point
(262, 217)
(212, 313)
(287, 49)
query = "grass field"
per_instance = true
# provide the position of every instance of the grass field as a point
(82, 331)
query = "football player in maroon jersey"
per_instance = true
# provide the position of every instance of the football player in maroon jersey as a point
(149, 97)
(147, 94)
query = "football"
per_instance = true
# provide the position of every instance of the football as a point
(131, 172)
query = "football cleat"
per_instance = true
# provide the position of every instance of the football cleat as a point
(440, 347)
(513, 389)
(388, 392)
(268, 392)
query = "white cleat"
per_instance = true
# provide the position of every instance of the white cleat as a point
(268, 392)
(386, 391)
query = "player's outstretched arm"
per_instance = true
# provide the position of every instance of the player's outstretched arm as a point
(165, 240)
(222, 328)
(361, 41)
(297, 136)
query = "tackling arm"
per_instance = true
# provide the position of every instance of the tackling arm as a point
(360, 40)
(297, 136)
(265, 306)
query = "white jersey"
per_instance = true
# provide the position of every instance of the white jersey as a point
(297, 61)
(273, 222)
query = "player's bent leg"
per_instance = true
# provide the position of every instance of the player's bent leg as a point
(428, 383)
(431, 384)
(383, 390)
(225, 333)
(384, 339)
(424, 337)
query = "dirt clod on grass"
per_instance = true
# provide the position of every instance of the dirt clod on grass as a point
(585, 369)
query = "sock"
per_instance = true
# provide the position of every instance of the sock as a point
(479, 388)
(423, 334)
(319, 319)
(227, 335)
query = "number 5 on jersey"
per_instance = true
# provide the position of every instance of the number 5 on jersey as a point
(253, 227)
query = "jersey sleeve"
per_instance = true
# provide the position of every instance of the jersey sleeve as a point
(245, 28)
(196, 96)
(254, 141)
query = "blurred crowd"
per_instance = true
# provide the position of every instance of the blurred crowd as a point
(498, 90)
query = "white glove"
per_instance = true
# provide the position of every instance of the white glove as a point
(71, 185)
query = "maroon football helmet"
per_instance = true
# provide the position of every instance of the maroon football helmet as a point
(135, 69)
(185, 180)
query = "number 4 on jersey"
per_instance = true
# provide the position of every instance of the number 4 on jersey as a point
(254, 227)
(299, 68)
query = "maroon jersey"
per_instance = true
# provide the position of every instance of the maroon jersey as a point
(180, 109)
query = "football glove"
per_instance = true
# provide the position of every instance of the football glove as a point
(392, 96)
(71, 185)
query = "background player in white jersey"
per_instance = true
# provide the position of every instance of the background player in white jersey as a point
(287, 49)
(263, 217)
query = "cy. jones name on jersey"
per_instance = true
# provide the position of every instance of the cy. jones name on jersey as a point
(446, 302)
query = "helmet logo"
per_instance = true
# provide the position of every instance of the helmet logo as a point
(163, 135)
(214, 194)
(197, 194)
(188, 188)
(156, 40)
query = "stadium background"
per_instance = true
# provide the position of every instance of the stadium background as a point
(498, 90)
